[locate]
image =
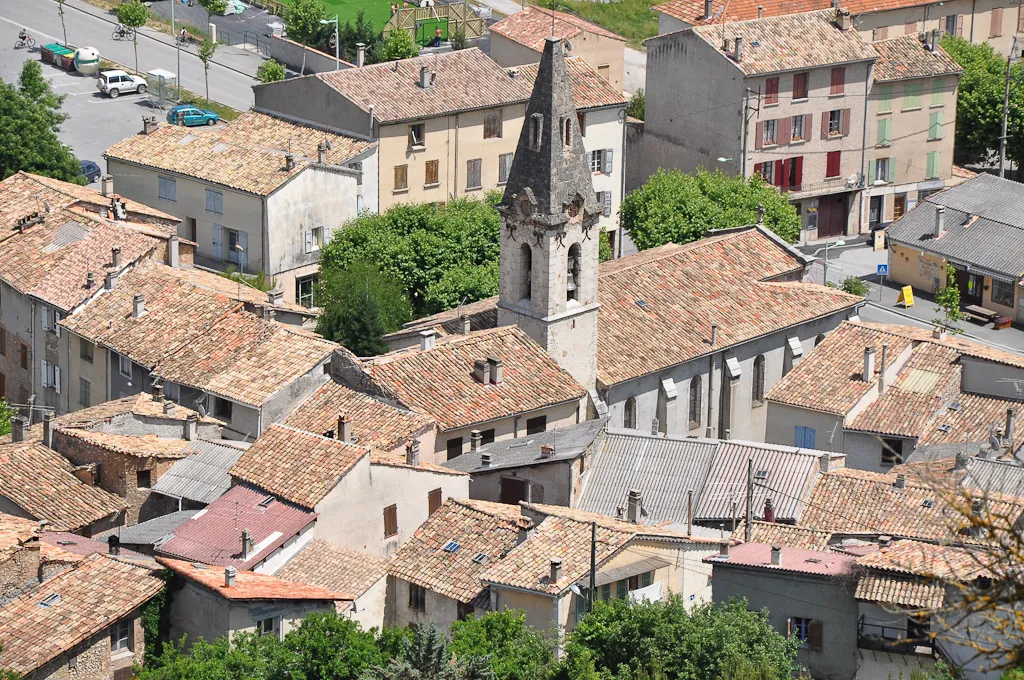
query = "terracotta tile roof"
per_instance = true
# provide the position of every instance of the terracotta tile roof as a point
(14, 531)
(39, 481)
(214, 534)
(138, 404)
(534, 25)
(100, 591)
(971, 422)
(249, 585)
(297, 466)
(774, 533)
(55, 554)
(900, 590)
(244, 358)
(327, 566)
(794, 560)
(728, 11)
(377, 425)
(247, 154)
(962, 345)
(466, 80)
(589, 90)
(242, 292)
(479, 527)
(963, 173)
(790, 42)
(81, 546)
(50, 260)
(440, 383)
(941, 562)
(642, 530)
(907, 57)
(141, 446)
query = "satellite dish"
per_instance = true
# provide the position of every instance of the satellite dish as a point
(568, 45)
(202, 411)
(852, 180)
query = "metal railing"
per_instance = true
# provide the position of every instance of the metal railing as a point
(832, 185)
(891, 639)
(246, 40)
(251, 266)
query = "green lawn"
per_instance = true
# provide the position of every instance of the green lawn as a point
(377, 11)
(634, 20)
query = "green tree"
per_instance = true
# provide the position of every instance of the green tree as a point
(248, 657)
(214, 6)
(206, 51)
(427, 656)
(471, 283)
(979, 105)
(60, 12)
(328, 646)
(6, 413)
(360, 305)
(947, 303)
(133, 14)
(398, 44)
(855, 286)
(270, 71)
(673, 207)
(514, 650)
(30, 119)
(458, 38)
(302, 21)
(637, 105)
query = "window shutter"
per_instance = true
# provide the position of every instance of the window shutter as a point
(607, 200)
(816, 634)
(758, 134)
(217, 240)
(785, 130)
(771, 91)
(892, 170)
(56, 322)
(799, 160)
(935, 125)
(757, 169)
(309, 240)
(872, 172)
(846, 122)
(43, 370)
(960, 25)
(607, 161)
(838, 80)
(778, 173)
(808, 119)
(996, 29)
(327, 234)
(785, 174)
(824, 125)
(789, 622)
(56, 378)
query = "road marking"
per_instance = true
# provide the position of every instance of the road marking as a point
(32, 31)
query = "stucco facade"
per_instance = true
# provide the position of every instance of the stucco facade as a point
(558, 415)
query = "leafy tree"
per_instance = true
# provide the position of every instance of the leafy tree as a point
(6, 413)
(676, 208)
(214, 6)
(513, 649)
(637, 105)
(206, 51)
(133, 14)
(360, 305)
(979, 105)
(248, 657)
(60, 11)
(604, 249)
(458, 37)
(362, 32)
(398, 44)
(302, 20)
(947, 303)
(30, 118)
(327, 646)
(472, 283)
(427, 656)
(270, 71)
(855, 286)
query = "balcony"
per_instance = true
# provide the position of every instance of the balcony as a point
(251, 266)
(833, 185)
(893, 639)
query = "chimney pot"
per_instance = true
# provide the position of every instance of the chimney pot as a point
(714, 334)
(633, 505)
(723, 549)
(18, 426)
(961, 460)
(113, 544)
(497, 370)
(825, 462)
(760, 11)
(289, 161)
(173, 252)
(424, 77)
(192, 427)
(229, 577)
(168, 407)
(883, 541)
(868, 371)
(345, 429)
(737, 53)
(485, 459)
(474, 440)
(482, 371)
(708, 8)
(901, 482)
(412, 452)
(427, 339)
(547, 451)
(939, 333)
(776, 555)
(106, 185)
(110, 280)
(149, 124)
(464, 324)
(321, 153)
(556, 569)
(90, 281)
(48, 419)
(769, 510)
(935, 40)
(247, 543)
(138, 305)
(654, 426)
(360, 54)
(158, 393)
(725, 44)
(842, 18)
(115, 257)
(940, 221)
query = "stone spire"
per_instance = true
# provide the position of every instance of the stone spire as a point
(550, 168)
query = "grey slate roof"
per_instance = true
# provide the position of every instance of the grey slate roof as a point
(152, 532)
(984, 226)
(202, 476)
(569, 442)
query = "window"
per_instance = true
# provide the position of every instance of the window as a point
(401, 177)
(318, 237)
(454, 446)
(463, 610)
(911, 96)
(1002, 293)
(605, 199)
(214, 202)
(492, 125)
(833, 161)
(487, 436)
(882, 170)
(85, 350)
(46, 318)
(50, 375)
(596, 162)
(800, 86)
(270, 626)
(512, 490)
(168, 189)
(572, 273)
(884, 98)
(605, 593)
(222, 408)
(771, 91)
(621, 589)
(767, 172)
(629, 414)
(932, 166)
(800, 628)
(536, 425)
(581, 118)
(473, 173)
(640, 580)
(124, 365)
(838, 81)
(694, 404)
(304, 287)
(417, 598)
(951, 24)
(757, 380)
(390, 521)
(504, 167)
(804, 437)
(880, 33)
(536, 130)
(835, 122)
(798, 133)
(892, 451)
(84, 392)
(121, 635)
(417, 139)
(934, 125)
(430, 174)
(884, 132)
(995, 29)
(143, 479)
(24, 356)
(526, 283)
(567, 132)
(768, 136)
(433, 501)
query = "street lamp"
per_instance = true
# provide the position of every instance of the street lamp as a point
(337, 61)
(840, 242)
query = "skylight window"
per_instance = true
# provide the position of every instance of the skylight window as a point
(945, 428)
(265, 503)
(50, 600)
(451, 547)
(643, 304)
(479, 558)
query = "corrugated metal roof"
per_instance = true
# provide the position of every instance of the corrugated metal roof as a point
(1000, 476)
(202, 476)
(569, 442)
(151, 532)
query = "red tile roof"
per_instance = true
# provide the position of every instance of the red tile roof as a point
(250, 585)
(589, 90)
(328, 566)
(728, 11)
(942, 562)
(907, 57)
(14, 531)
(775, 533)
(82, 546)
(795, 560)
(532, 26)
(141, 404)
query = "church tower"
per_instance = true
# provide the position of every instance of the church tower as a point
(549, 233)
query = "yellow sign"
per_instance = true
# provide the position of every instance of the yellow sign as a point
(906, 297)
(879, 239)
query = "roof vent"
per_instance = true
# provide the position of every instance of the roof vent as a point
(485, 459)
(497, 370)
(928, 503)
(556, 570)
(427, 339)
(547, 451)
(451, 547)
(776, 555)
(482, 371)
(708, 9)
(643, 304)
(901, 482)
(425, 79)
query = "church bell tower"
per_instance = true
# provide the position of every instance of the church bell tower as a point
(549, 232)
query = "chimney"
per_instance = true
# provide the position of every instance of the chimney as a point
(901, 482)
(556, 569)
(723, 549)
(547, 451)
(976, 506)
(360, 54)
(138, 305)
(881, 370)
(760, 215)
(868, 372)
(935, 40)
(714, 334)
(482, 371)
(727, 435)
(961, 460)
(247, 543)
(90, 281)
(1011, 423)
(173, 257)
(113, 544)
(725, 44)
(18, 426)
(843, 22)
(115, 257)
(464, 324)
(48, 419)
(275, 296)
(149, 124)
(424, 77)
(654, 426)
(474, 440)
(229, 577)
(940, 221)
(497, 370)
(760, 11)
(825, 462)
(158, 393)
(776, 556)
(106, 185)
(192, 427)
(110, 280)
(769, 511)
(485, 459)
(345, 429)
(168, 408)
(412, 452)
(633, 506)
(427, 339)
(708, 8)
(737, 53)
(884, 541)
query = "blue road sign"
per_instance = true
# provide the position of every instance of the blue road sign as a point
(883, 270)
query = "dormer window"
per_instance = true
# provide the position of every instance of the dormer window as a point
(536, 130)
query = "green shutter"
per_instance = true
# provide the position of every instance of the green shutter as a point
(892, 170)
(935, 125)
(621, 588)
(871, 178)
(646, 578)
(884, 98)
(911, 96)
(938, 94)
(933, 165)
(606, 592)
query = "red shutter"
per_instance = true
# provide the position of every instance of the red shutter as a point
(785, 130)
(758, 134)
(800, 86)
(808, 119)
(757, 169)
(771, 91)
(824, 125)
(833, 162)
(778, 173)
(838, 80)
(785, 174)
(799, 160)
(846, 122)
(996, 29)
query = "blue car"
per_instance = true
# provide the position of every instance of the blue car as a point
(191, 115)
(91, 171)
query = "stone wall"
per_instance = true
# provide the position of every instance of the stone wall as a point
(19, 570)
(289, 53)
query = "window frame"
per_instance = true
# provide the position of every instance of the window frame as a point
(450, 446)
(84, 392)
(417, 598)
(838, 155)
(805, 77)
(797, 131)
(121, 635)
(121, 359)
(835, 123)
(935, 126)
(912, 99)
(504, 167)
(693, 408)
(800, 627)
(881, 171)
(757, 381)
(1010, 288)
(86, 350)
(222, 408)
(417, 136)
(889, 455)
(597, 161)
(275, 627)
(629, 413)
(770, 133)
(301, 295)
(532, 425)
(141, 475)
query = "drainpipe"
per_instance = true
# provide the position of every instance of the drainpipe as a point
(864, 151)
(974, 4)
(708, 432)
(622, 180)
(455, 185)
(32, 358)
(744, 128)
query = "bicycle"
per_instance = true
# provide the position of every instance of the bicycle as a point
(28, 41)
(121, 33)
(186, 41)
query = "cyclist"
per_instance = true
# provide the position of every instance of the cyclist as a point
(23, 35)
(183, 36)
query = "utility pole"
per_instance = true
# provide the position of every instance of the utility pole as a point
(593, 563)
(1006, 111)
(177, 46)
(750, 499)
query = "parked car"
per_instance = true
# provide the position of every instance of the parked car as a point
(91, 171)
(116, 83)
(191, 115)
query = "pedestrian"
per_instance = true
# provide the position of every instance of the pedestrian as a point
(437, 37)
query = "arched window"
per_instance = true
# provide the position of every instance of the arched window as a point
(757, 386)
(526, 283)
(567, 125)
(820, 339)
(695, 394)
(536, 130)
(572, 290)
(629, 414)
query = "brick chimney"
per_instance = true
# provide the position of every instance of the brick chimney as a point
(485, 459)
(737, 52)
(106, 185)
(345, 429)
(769, 510)
(19, 424)
(547, 451)
(174, 251)
(723, 549)
(115, 257)
(939, 333)
(110, 280)
(360, 54)
(168, 408)
(464, 324)
(149, 125)
(289, 161)
(158, 392)
(825, 462)
(901, 482)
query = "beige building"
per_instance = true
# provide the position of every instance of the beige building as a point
(519, 39)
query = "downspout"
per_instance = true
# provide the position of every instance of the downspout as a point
(711, 392)
(264, 247)
(455, 185)
(622, 181)
(864, 149)
(32, 358)
(744, 134)
(974, 4)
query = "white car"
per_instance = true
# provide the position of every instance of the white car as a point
(114, 83)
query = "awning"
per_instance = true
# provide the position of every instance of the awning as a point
(625, 571)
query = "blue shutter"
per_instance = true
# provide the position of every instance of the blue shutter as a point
(217, 240)
(804, 437)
